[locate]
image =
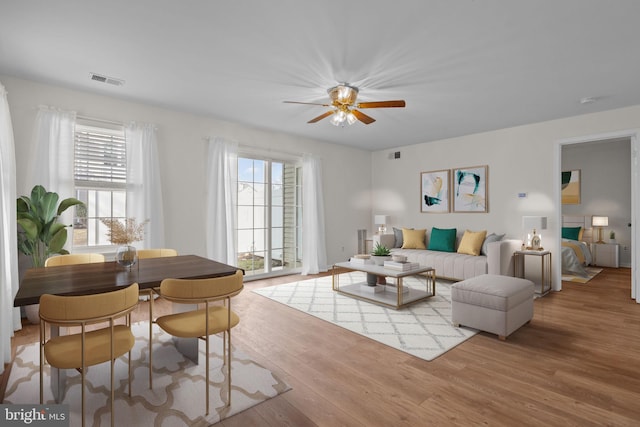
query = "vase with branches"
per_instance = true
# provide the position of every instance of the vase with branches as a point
(124, 233)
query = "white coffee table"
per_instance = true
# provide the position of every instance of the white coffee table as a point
(390, 295)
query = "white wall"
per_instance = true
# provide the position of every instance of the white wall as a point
(520, 159)
(605, 186)
(347, 171)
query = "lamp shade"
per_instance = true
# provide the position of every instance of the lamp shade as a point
(600, 221)
(537, 222)
(381, 219)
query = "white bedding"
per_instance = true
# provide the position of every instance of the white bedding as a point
(570, 262)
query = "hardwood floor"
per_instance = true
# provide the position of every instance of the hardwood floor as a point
(576, 363)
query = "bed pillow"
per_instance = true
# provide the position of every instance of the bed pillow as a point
(471, 242)
(493, 237)
(413, 239)
(442, 239)
(572, 233)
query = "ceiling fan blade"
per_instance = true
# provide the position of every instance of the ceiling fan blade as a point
(363, 117)
(382, 104)
(321, 116)
(306, 103)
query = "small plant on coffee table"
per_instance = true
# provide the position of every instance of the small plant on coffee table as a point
(380, 250)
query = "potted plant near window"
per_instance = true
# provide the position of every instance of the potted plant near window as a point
(40, 235)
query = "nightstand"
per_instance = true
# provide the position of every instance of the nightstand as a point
(544, 280)
(606, 254)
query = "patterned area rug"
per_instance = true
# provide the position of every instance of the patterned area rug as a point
(178, 395)
(591, 271)
(423, 329)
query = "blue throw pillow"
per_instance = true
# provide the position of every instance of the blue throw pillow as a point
(572, 233)
(442, 239)
(490, 238)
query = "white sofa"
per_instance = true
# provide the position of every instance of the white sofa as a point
(455, 266)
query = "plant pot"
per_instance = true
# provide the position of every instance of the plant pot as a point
(380, 259)
(33, 313)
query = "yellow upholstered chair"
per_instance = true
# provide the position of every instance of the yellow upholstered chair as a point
(206, 319)
(156, 253)
(70, 259)
(106, 341)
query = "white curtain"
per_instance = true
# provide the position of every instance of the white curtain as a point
(314, 252)
(222, 193)
(52, 154)
(9, 316)
(144, 188)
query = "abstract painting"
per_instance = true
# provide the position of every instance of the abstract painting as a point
(571, 187)
(470, 189)
(434, 191)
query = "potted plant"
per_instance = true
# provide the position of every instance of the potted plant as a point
(612, 236)
(41, 234)
(380, 253)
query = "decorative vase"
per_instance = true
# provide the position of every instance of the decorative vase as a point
(127, 256)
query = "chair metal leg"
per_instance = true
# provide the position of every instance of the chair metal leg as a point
(150, 339)
(207, 374)
(228, 334)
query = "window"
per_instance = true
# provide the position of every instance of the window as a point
(269, 215)
(100, 175)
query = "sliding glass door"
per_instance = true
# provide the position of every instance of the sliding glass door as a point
(269, 215)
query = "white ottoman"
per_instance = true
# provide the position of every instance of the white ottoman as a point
(492, 303)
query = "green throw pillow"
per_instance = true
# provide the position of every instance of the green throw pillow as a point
(571, 233)
(443, 240)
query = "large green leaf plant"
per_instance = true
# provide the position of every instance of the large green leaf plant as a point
(42, 235)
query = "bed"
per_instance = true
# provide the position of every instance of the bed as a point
(576, 254)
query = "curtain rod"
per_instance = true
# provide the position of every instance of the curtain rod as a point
(94, 119)
(270, 151)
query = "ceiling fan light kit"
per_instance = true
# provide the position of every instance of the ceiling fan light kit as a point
(343, 104)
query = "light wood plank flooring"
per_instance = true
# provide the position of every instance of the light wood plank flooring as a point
(577, 363)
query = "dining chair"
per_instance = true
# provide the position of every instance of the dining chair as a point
(156, 253)
(204, 320)
(149, 293)
(106, 341)
(70, 259)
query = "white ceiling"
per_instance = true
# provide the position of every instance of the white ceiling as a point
(463, 66)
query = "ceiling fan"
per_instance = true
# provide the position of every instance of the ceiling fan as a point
(343, 106)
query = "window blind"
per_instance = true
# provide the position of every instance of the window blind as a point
(100, 158)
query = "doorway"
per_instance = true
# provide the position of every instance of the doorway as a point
(592, 207)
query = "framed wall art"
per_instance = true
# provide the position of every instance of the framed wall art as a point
(470, 189)
(571, 187)
(434, 191)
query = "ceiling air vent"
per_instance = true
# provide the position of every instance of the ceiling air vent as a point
(104, 79)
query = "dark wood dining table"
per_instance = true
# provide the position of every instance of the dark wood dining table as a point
(86, 279)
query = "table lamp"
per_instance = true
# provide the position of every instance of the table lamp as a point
(599, 222)
(381, 221)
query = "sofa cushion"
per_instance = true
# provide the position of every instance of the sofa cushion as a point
(413, 239)
(397, 234)
(471, 243)
(493, 237)
(442, 239)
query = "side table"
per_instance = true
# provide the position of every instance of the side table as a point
(545, 265)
